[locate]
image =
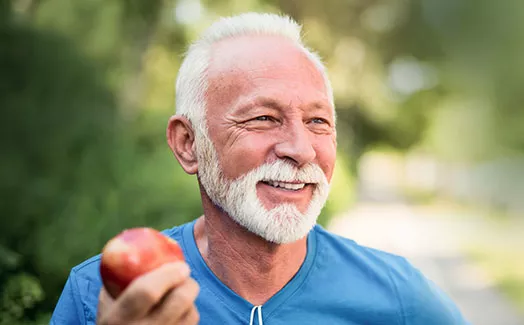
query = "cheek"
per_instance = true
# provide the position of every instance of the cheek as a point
(246, 154)
(326, 157)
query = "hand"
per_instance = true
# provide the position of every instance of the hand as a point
(164, 296)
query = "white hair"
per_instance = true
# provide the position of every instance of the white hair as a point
(191, 83)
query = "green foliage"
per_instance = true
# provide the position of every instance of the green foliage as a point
(73, 172)
(20, 293)
(9, 260)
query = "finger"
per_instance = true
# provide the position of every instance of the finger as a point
(146, 291)
(177, 303)
(104, 299)
(104, 303)
(191, 317)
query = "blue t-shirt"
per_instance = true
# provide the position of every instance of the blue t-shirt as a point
(340, 282)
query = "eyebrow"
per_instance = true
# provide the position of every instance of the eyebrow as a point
(273, 104)
(260, 101)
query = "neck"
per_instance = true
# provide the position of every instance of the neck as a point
(249, 265)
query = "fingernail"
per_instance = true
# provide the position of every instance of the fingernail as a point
(184, 269)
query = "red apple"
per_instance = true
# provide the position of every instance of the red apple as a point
(133, 253)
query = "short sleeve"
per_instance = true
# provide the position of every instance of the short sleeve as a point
(69, 310)
(426, 304)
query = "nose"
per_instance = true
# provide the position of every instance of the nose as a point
(296, 145)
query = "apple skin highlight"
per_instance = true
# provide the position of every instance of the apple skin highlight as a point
(133, 253)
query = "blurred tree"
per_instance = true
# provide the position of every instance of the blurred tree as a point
(117, 33)
(483, 51)
(73, 172)
(56, 116)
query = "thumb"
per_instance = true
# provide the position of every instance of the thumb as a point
(104, 302)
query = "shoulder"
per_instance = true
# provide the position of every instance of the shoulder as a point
(419, 299)
(349, 251)
(424, 302)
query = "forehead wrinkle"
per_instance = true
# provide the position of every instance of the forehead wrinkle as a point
(235, 69)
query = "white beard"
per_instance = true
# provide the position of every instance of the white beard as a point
(238, 198)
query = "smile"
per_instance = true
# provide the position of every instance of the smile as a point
(285, 185)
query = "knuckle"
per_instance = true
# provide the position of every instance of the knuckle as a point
(192, 290)
(129, 304)
(101, 321)
(179, 271)
(194, 287)
(111, 320)
(186, 294)
(145, 296)
(134, 302)
(191, 317)
(194, 317)
(184, 298)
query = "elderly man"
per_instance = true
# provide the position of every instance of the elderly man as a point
(256, 123)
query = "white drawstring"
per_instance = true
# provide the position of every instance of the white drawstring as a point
(252, 318)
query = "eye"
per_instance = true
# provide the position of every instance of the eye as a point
(262, 122)
(319, 120)
(263, 118)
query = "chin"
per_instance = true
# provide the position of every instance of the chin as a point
(281, 225)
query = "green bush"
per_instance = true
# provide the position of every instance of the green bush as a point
(72, 173)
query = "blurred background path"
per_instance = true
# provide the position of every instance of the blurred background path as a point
(432, 241)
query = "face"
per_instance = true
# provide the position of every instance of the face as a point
(271, 144)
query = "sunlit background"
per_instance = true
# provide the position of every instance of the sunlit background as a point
(429, 97)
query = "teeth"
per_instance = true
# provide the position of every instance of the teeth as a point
(287, 186)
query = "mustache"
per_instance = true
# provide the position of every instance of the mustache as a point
(284, 171)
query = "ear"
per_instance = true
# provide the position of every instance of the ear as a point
(181, 138)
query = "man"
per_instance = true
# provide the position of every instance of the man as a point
(256, 123)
